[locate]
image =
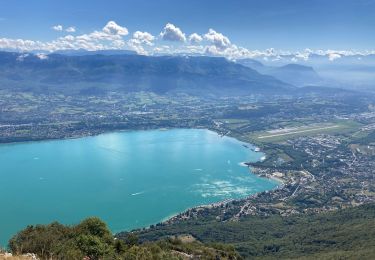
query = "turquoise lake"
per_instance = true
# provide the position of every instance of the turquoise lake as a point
(129, 179)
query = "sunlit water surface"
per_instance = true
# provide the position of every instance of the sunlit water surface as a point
(129, 179)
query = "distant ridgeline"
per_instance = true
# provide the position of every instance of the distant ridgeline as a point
(96, 73)
(294, 74)
(343, 234)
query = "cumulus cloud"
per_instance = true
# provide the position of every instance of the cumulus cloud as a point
(118, 44)
(218, 39)
(136, 46)
(143, 37)
(195, 38)
(194, 49)
(111, 32)
(139, 41)
(112, 36)
(68, 38)
(231, 52)
(70, 29)
(58, 28)
(21, 45)
(98, 36)
(172, 33)
(113, 28)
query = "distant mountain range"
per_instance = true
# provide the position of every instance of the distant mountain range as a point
(351, 71)
(295, 74)
(80, 72)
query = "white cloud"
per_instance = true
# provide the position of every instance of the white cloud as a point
(143, 37)
(58, 28)
(99, 36)
(302, 55)
(113, 28)
(42, 56)
(219, 40)
(21, 45)
(158, 49)
(195, 38)
(333, 56)
(195, 49)
(139, 40)
(110, 32)
(136, 46)
(68, 38)
(70, 29)
(118, 44)
(172, 33)
(22, 57)
(111, 36)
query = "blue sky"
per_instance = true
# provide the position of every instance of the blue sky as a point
(291, 25)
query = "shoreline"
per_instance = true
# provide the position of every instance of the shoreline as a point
(180, 216)
(90, 135)
(251, 170)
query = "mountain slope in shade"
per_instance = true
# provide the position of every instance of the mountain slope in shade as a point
(92, 74)
(254, 64)
(294, 74)
(297, 75)
(354, 72)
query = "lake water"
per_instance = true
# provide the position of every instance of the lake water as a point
(129, 179)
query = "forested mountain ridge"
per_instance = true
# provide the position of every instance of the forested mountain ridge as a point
(95, 74)
(342, 234)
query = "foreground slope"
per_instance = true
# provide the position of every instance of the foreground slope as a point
(91, 239)
(343, 234)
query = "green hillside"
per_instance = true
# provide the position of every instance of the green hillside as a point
(91, 239)
(344, 234)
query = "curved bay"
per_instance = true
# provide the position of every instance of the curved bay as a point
(129, 179)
